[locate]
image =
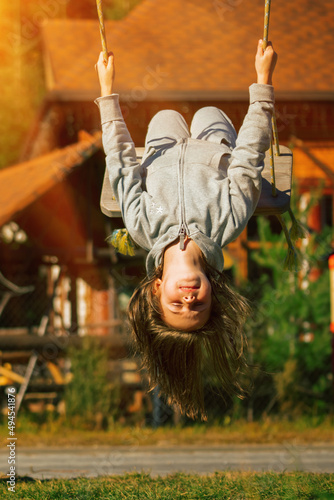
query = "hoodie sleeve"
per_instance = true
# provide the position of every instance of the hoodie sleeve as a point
(123, 169)
(247, 159)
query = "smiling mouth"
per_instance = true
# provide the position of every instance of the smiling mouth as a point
(189, 287)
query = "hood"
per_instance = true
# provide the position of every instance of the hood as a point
(211, 250)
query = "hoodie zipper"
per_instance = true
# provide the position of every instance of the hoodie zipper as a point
(183, 226)
(182, 235)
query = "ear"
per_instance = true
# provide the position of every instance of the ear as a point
(156, 286)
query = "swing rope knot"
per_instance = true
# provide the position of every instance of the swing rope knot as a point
(297, 231)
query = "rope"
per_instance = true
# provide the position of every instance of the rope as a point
(102, 30)
(272, 170)
(275, 132)
(265, 43)
(274, 124)
(266, 23)
(120, 238)
(291, 262)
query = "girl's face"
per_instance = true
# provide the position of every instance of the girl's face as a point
(185, 298)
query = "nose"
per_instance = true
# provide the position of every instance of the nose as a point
(189, 298)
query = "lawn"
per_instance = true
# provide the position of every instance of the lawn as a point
(269, 431)
(236, 486)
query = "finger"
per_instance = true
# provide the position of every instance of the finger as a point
(110, 61)
(260, 47)
(269, 47)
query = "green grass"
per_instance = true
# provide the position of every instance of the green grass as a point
(234, 486)
(49, 432)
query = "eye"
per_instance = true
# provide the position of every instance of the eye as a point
(199, 305)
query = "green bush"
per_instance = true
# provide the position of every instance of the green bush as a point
(90, 399)
(289, 329)
(117, 9)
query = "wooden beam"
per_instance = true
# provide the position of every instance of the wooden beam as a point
(11, 375)
(117, 348)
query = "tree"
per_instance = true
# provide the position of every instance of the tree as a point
(289, 328)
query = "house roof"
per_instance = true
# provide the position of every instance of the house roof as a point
(195, 50)
(22, 184)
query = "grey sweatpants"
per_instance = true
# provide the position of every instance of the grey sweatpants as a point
(208, 124)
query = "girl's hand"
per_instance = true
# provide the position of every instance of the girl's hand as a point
(265, 62)
(106, 74)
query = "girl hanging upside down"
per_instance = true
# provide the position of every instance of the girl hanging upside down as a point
(193, 193)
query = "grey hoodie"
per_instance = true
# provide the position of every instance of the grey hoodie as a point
(210, 204)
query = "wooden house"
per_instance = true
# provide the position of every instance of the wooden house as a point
(180, 55)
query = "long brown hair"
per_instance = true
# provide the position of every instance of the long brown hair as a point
(175, 359)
